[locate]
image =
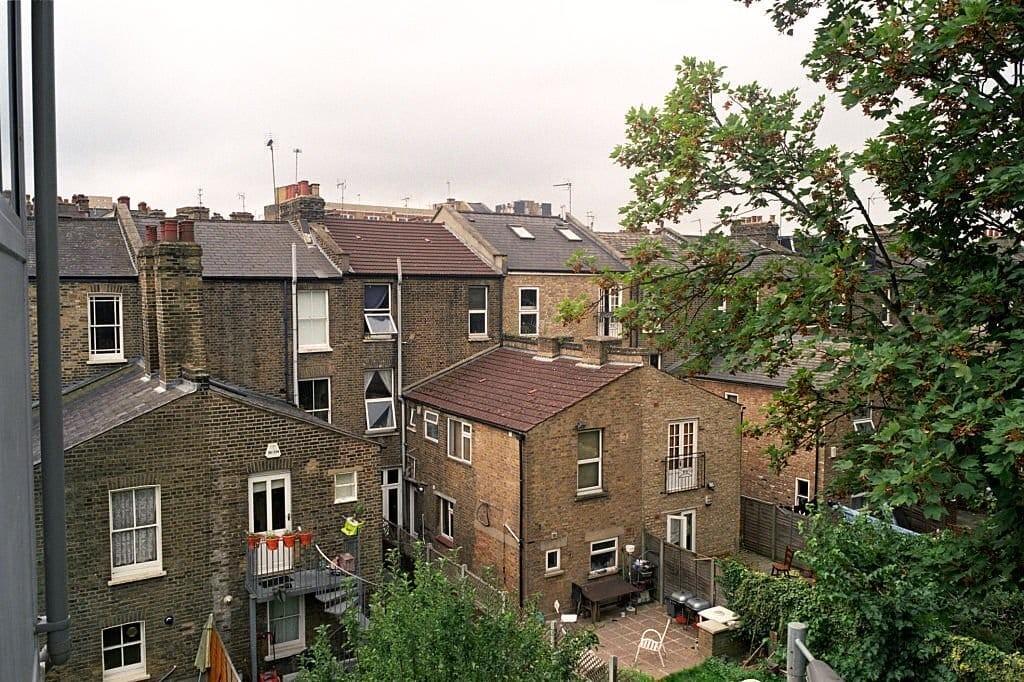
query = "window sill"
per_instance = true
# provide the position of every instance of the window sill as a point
(602, 573)
(445, 541)
(347, 500)
(378, 338)
(105, 360)
(554, 574)
(429, 439)
(285, 651)
(315, 349)
(380, 432)
(479, 337)
(582, 496)
(467, 462)
(126, 677)
(136, 577)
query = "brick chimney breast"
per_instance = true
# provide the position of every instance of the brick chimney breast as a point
(595, 350)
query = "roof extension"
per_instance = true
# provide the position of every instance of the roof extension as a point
(254, 250)
(540, 244)
(425, 248)
(510, 389)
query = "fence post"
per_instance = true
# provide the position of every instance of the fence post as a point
(613, 669)
(774, 532)
(796, 664)
(661, 571)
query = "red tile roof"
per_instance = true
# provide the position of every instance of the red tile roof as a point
(511, 389)
(425, 248)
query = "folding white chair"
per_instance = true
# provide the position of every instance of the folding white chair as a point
(654, 641)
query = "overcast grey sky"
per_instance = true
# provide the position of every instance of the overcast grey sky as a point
(397, 99)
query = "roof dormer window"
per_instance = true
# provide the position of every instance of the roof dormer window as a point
(569, 234)
(521, 231)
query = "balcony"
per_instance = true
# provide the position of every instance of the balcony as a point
(684, 472)
(300, 569)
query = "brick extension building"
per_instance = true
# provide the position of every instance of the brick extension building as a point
(545, 466)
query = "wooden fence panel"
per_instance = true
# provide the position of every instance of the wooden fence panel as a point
(767, 528)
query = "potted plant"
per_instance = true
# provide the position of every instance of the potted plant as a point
(271, 540)
(288, 538)
(352, 523)
(253, 539)
(305, 536)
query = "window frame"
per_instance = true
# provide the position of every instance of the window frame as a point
(292, 646)
(613, 550)
(299, 318)
(124, 673)
(135, 570)
(99, 356)
(681, 456)
(796, 492)
(374, 401)
(866, 419)
(687, 520)
(557, 568)
(609, 300)
(732, 397)
(464, 452)
(379, 314)
(431, 419)
(528, 311)
(314, 410)
(471, 311)
(446, 517)
(410, 422)
(599, 460)
(354, 485)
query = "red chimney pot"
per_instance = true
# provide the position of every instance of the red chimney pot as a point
(187, 231)
(303, 188)
(125, 200)
(170, 231)
(151, 231)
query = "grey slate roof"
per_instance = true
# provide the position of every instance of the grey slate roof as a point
(93, 410)
(511, 389)
(254, 250)
(548, 250)
(88, 247)
(760, 378)
(623, 242)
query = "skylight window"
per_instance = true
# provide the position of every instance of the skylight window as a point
(569, 234)
(521, 232)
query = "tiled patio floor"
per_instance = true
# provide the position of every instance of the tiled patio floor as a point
(619, 637)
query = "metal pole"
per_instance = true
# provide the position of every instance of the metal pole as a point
(252, 638)
(51, 421)
(295, 329)
(796, 662)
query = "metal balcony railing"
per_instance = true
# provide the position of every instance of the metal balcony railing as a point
(299, 569)
(684, 472)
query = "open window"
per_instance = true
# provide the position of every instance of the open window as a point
(377, 310)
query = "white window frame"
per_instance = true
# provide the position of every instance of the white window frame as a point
(388, 372)
(796, 492)
(125, 673)
(460, 440)
(863, 421)
(569, 234)
(609, 300)
(521, 231)
(116, 353)
(312, 296)
(346, 491)
(477, 311)
(314, 409)
(379, 315)
(886, 314)
(557, 554)
(613, 549)
(411, 421)
(599, 460)
(687, 521)
(529, 311)
(446, 517)
(681, 455)
(279, 650)
(723, 305)
(431, 419)
(135, 570)
(732, 397)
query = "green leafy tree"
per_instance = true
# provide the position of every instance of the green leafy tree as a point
(919, 318)
(427, 627)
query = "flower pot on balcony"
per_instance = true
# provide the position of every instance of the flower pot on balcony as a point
(351, 526)
(305, 537)
(272, 541)
(288, 539)
(253, 540)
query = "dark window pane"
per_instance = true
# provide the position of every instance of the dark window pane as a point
(112, 659)
(104, 338)
(103, 312)
(277, 504)
(111, 637)
(377, 387)
(380, 415)
(375, 297)
(527, 324)
(133, 654)
(528, 298)
(477, 323)
(306, 395)
(477, 298)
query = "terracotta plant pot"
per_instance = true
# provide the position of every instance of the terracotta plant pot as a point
(305, 537)
(288, 539)
(254, 541)
(272, 543)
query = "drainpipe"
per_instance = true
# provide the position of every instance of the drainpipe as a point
(295, 330)
(400, 383)
(521, 544)
(51, 420)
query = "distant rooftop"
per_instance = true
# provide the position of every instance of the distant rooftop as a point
(89, 247)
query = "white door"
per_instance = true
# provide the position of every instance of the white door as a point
(679, 530)
(611, 300)
(270, 511)
(390, 489)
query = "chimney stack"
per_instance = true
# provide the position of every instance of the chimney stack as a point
(764, 233)
(595, 349)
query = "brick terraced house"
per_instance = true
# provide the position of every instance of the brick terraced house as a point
(544, 466)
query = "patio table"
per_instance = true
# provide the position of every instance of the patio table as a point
(604, 591)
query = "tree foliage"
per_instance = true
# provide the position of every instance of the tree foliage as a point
(919, 318)
(425, 627)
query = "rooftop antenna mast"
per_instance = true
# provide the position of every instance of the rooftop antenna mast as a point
(200, 196)
(297, 152)
(273, 172)
(568, 184)
(406, 200)
(341, 185)
(449, 185)
(590, 219)
(241, 195)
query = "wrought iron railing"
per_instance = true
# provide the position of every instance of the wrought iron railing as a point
(296, 569)
(684, 472)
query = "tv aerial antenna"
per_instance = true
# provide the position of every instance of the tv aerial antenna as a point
(567, 184)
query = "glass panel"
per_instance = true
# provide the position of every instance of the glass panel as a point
(277, 510)
(133, 654)
(588, 475)
(145, 506)
(132, 632)
(376, 297)
(321, 394)
(111, 658)
(527, 298)
(145, 545)
(306, 395)
(379, 415)
(104, 338)
(380, 324)
(528, 324)
(589, 444)
(103, 311)
(121, 509)
(122, 548)
(259, 507)
(477, 298)
(477, 323)
(379, 386)
(111, 637)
